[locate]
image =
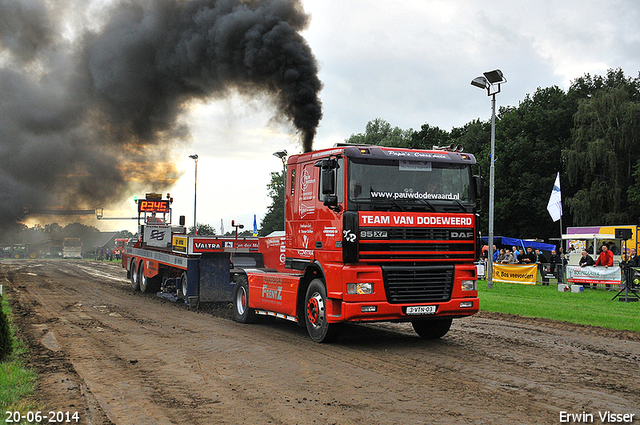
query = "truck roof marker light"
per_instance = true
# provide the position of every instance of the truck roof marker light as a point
(450, 148)
(364, 151)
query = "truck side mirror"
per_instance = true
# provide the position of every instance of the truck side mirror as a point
(328, 181)
(477, 180)
(328, 177)
(331, 201)
(182, 220)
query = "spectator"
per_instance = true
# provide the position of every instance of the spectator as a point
(555, 263)
(515, 253)
(500, 256)
(540, 257)
(541, 260)
(529, 257)
(634, 259)
(605, 259)
(508, 257)
(585, 261)
(495, 254)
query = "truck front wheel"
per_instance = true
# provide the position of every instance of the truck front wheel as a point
(241, 311)
(432, 329)
(315, 314)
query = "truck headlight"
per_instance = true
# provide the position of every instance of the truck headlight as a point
(360, 288)
(469, 285)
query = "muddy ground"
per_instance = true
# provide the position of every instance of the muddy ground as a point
(120, 357)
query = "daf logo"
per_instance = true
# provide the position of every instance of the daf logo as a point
(461, 235)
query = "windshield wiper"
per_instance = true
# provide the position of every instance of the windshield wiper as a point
(460, 205)
(379, 202)
(428, 204)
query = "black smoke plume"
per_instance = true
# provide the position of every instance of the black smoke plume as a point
(90, 116)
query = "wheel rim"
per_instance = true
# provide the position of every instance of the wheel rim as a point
(315, 310)
(134, 275)
(143, 279)
(183, 281)
(241, 300)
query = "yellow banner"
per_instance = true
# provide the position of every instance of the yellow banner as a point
(515, 273)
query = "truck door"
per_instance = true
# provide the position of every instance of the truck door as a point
(329, 217)
(305, 204)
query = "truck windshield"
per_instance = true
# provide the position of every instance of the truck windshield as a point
(410, 185)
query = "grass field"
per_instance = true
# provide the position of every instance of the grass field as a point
(591, 307)
(17, 382)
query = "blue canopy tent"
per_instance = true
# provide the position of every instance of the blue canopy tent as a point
(503, 240)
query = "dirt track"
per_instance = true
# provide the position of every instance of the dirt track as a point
(121, 357)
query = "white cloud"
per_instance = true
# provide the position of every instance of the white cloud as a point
(407, 62)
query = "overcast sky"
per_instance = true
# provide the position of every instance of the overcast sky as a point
(409, 63)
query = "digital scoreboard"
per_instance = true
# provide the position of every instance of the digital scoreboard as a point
(163, 206)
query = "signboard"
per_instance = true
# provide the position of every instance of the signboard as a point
(204, 244)
(198, 245)
(592, 274)
(180, 244)
(158, 235)
(515, 273)
(397, 219)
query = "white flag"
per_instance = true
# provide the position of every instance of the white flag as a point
(555, 201)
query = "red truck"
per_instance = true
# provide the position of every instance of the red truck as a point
(372, 234)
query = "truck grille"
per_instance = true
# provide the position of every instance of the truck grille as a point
(415, 245)
(424, 284)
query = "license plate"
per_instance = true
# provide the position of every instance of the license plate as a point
(421, 309)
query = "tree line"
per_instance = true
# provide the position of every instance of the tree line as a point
(589, 133)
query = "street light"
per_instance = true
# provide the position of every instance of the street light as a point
(283, 156)
(195, 193)
(491, 81)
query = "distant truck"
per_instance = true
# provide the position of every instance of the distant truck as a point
(72, 248)
(120, 244)
(372, 234)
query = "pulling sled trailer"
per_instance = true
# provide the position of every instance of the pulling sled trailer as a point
(166, 261)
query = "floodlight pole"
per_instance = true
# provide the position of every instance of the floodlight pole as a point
(491, 81)
(283, 156)
(195, 193)
(492, 174)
